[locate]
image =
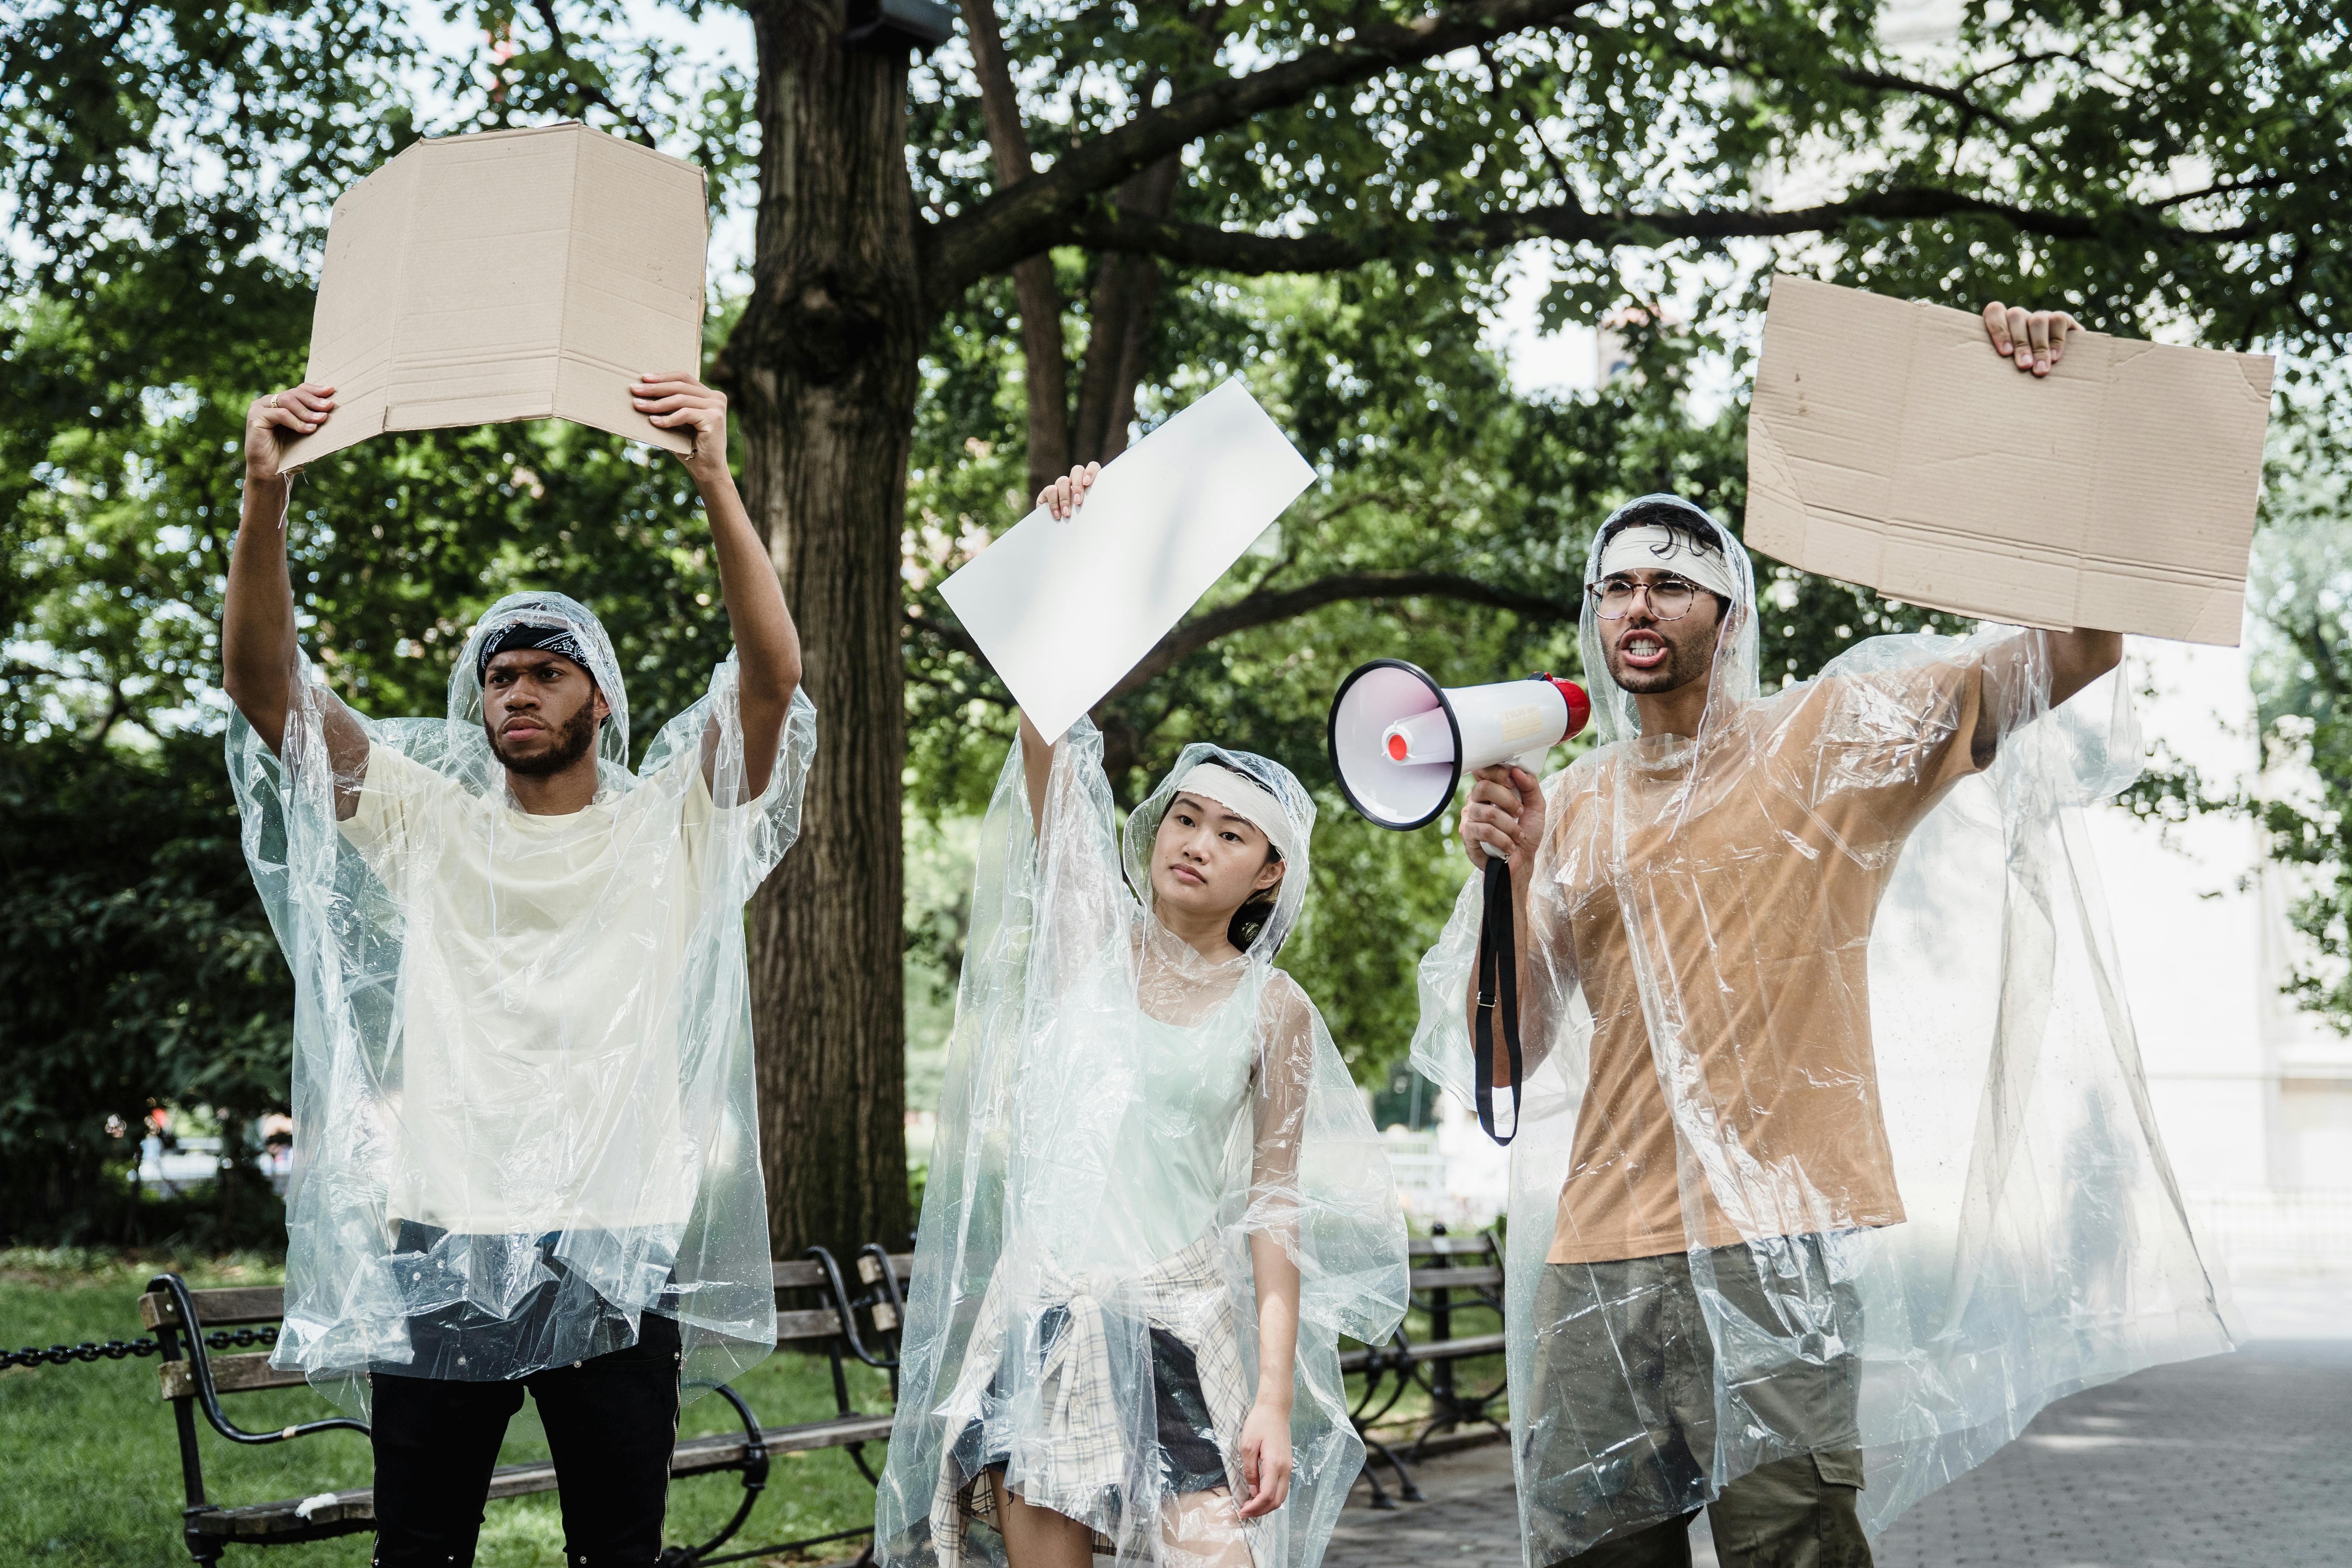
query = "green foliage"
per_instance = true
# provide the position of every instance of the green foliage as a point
(134, 967)
(2302, 591)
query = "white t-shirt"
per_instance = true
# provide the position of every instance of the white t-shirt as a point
(539, 996)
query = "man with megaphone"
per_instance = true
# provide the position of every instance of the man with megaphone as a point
(1709, 1246)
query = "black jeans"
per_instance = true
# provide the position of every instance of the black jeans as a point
(611, 1423)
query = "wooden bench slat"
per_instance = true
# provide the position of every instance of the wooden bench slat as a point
(816, 1324)
(804, 1274)
(241, 1304)
(696, 1456)
(724, 1450)
(231, 1375)
(261, 1521)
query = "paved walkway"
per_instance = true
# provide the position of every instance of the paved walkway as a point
(2237, 1461)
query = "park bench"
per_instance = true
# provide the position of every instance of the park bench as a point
(1449, 1274)
(194, 1379)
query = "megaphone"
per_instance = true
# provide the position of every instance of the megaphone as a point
(1401, 743)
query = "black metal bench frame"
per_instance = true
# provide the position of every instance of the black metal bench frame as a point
(192, 1379)
(1392, 1368)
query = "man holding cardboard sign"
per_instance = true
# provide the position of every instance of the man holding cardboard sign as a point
(1832, 1120)
(526, 1145)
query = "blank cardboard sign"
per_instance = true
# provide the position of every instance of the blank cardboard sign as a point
(1065, 609)
(1889, 446)
(510, 275)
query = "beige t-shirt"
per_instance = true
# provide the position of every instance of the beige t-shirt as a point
(1756, 910)
(540, 991)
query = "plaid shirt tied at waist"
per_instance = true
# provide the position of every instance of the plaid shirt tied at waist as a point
(1077, 1462)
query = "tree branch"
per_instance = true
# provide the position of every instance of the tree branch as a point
(2034, 57)
(2222, 188)
(1260, 609)
(1856, 76)
(1020, 222)
(948, 635)
(116, 706)
(1047, 378)
(588, 91)
(1233, 250)
(1126, 288)
(1265, 609)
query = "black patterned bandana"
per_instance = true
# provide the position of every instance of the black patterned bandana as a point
(525, 634)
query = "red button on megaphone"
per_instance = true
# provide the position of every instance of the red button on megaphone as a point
(1401, 743)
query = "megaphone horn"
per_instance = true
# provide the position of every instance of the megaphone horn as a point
(1401, 743)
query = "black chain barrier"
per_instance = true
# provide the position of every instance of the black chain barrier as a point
(120, 1349)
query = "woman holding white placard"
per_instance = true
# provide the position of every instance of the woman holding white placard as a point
(1155, 1199)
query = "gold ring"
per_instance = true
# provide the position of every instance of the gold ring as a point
(273, 400)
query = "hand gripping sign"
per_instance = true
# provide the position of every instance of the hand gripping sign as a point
(1065, 608)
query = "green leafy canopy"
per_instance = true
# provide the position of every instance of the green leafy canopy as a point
(1321, 199)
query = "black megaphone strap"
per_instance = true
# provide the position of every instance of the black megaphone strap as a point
(1498, 986)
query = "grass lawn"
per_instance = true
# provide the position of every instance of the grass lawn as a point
(92, 1473)
(92, 1468)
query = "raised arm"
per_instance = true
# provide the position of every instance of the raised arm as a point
(1062, 498)
(1038, 768)
(767, 643)
(258, 648)
(2014, 669)
(2035, 342)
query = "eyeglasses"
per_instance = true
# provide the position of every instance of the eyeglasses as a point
(1670, 597)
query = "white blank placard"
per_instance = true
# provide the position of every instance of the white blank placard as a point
(1065, 609)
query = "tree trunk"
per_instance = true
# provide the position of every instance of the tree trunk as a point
(824, 370)
(1126, 290)
(1033, 287)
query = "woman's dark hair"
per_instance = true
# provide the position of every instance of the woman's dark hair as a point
(1679, 520)
(1255, 910)
(1258, 908)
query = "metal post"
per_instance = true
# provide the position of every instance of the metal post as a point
(1441, 1328)
(201, 1547)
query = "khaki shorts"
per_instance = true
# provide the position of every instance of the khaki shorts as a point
(1634, 1385)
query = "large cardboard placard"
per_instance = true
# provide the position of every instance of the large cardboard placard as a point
(1064, 609)
(509, 275)
(1889, 446)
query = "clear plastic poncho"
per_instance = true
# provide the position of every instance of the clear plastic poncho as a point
(1120, 1117)
(523, 1094)
(1835, 1141)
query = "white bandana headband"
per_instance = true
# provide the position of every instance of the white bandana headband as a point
(1650, 546)
(1212, 780)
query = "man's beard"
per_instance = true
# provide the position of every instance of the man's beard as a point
(573, 741)
(1686, 662)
